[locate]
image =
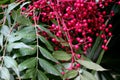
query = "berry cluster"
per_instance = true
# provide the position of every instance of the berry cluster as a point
(78, 22)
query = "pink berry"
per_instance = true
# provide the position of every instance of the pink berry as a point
(76, 47)
(78, 56)
(62, 73)
(23, 8)
(78, 65)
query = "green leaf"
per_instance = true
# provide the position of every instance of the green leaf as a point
(17, 54)
(23, 20)
(17, 45)
(61, 55)
(46, 30)
(28, 34)
(47, 54)
(70, 74)
(63, 42)
(54, 21)
(46, 42)
(5, 30)
(77, 78)
(5, 73)
(20, 19)
(88, 75)
(91, 65)
(62, 66)
(30, 73)
(95, 47)
(66, 65)
(83, 78)
(1, 40)
(28, 51)
(29, 63)
(49, 67)
(12, 1)
(13, 38)
(22, 5)
(42, 28)
(11, 63)
(8, 20)
(11, 7)
(12, 77)
(15, 14)
(59, 67)
(42, 76)
(3, 1)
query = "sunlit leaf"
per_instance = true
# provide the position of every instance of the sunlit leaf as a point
(11, 63)
(17, 45)
(30, 73)
(47, 54)
(58, 67)
(91, 65)
(82, 78)
(61, 55)
(12, 77)
(46, 30)
(1, 40)
(11, 7)
(22, 5)
(70, 74)
(23, 20)
(13, 38)
(28, 51)
(48, 67)
(29, 63)
(5, 30)
(66, 65)
(77, 78)
(20, 19)
(5, 73)
(41, 76)
(46, 42)
(28, 34)
(88, 75)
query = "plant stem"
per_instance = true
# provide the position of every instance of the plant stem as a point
(101, 55)
(95, 46)
(70, 44)
(97, 42)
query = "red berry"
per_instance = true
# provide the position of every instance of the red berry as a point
(90, 40)
(78, 56)
(105, 41)
(76, 47)
(30, 14)
(23, 8)
(110, 26)
(53, 40)
(62, 73)
(110, 34)
(105, 48)
(78, 65)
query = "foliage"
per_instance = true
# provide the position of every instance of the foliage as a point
(26, 53)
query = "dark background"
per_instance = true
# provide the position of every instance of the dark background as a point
(111, 59)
